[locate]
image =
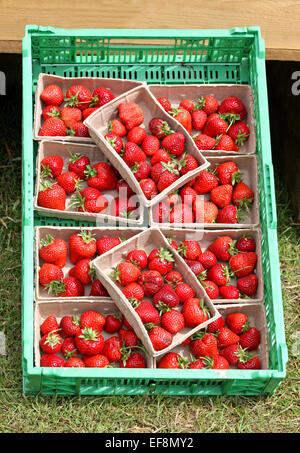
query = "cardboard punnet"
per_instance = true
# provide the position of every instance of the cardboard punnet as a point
(148, 240)
(177, 93)
(205, 238)
(61, 308)
(65, 233)
(98, 127)
(248, 167)
(116, 86)
(257, 318)
(48, 148)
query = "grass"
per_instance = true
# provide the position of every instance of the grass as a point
(130, 414)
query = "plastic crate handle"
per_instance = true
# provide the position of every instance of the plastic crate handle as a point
(270, 194)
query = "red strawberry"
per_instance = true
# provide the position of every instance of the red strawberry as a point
(172, 321)
(101, 96)
(172, 360)
(50, 324)
(172, 243)
(138, 257)
(159, 337)
(160, 156)
(168, 177)
(197, 365)
(228, 214)
(53, 127)
(69, 181)
(74, 362)
(190, 249)
(68, 348)
(214, 326)
(221, 195)
(159, 128)
(133, 291)
(126, 273)
(248, 285)
(205, 182)
(131, 114)
(237, 322)
(207, 259)
(194, 312)
(187, 104)
(49, 272)
(51, 111)
(106, 243)
(250, 339)
(146, 312)
(219, 274)
(149, 188)
(98, 289)
(166, 297)
(197, 268)
(52, 360)
(165, 103)
(136, 135)
(51, 196)
(52, 95)
(78, 130)
(69, 326)
(151, 281)
(204, 211)
(78, 96)
(96, 361)
(70, 116)
(123, 189)
(187, 163)
(112, 349)
(183, 117)
(117, 127)
(204, 142)
(81, 245)
(245, 244)
(226, 337)
(233, 105)
(123, 207)
(215, 126)
(89, 342)
(208, 104)
(133, 360)
(78, 164)
(113, 323)
(252, 364)
(243, 264)
(225, 143)
(87, 112)
(115, 141)
(242, 195)
(132, 154)
(212, 290)
(102, 176)
(239, 132)
(67, 287)
(233, 353)
(90, 200)
(141, 170)
(199, 118)
(188, 195)
(162, 262)
(229, 292)
(204, 344)
(228, 173)
(222, 247)
(51, 343)
(184, 292)
(83, 271)
(128, 338)
(51, 166)
(181, 213)
(54, 251)
(173, 278)
(150, 145)
(174, 143)
(160, 212)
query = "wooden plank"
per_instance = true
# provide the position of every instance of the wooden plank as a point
(279, 20)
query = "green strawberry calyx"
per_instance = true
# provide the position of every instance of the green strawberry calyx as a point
(72, 101)
(87, 236)
(45, 184)
(89, 334)
(134, 302)
(77, 201)
(53, 338)
(202, 276)
(90, 172)
(165, 254)
(183, 362)
(172, 167)
(74, 157)
(162, 307)
(241, 138)
(204, 308)
(244, 203)
(46, 172)
(47, 240)
(92, 271)
(111, 141)
(56, 286)
(243, 354)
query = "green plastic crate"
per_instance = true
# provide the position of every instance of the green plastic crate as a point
(156, 56)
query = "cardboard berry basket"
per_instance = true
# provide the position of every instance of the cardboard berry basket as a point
(98, 127)
(63, 149)
(257, 318)
(61, 308)
(248, 167)
(148, 240)
(116, 86)
(177, 93)
(205, 238)
(65, 233)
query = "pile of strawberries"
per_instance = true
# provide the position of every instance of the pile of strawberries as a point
(80, 343)
(82, 248)
(224, 344)
(84, 183)
(221, 125)
(64, 114)
(229, 198)
(223, 260)
(156, 160)
(155, 278)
